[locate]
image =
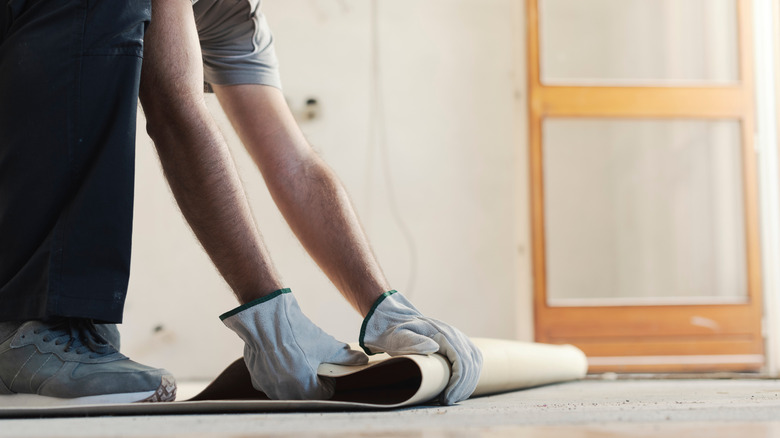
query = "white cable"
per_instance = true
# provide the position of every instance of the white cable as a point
(378, 139)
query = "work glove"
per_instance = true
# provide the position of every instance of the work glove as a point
(396, 327)
(283, 348)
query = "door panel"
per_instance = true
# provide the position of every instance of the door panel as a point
(644, 202)
(643, 211)
(648, 42)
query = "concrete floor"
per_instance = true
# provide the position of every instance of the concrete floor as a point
(591, 408)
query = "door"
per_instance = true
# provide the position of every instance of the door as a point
(643, 180)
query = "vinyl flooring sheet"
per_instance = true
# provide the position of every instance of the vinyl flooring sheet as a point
(384, 383)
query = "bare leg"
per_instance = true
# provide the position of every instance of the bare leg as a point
(311, 198)
(194, 155)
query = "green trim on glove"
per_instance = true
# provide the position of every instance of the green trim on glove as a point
(368, 316)
(253, 303)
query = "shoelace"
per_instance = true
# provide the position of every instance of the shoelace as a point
(79, 335)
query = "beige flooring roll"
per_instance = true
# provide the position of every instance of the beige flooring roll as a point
(508, 366)
(384, 383)
(513, 365)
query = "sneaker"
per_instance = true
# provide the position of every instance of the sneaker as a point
(110, 333)
(67, 362)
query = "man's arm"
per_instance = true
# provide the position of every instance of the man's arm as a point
(309, 195)
(194, 155)
(283, 348)
(318, 210)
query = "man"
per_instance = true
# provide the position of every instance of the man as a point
(282, 347)
(240, 64)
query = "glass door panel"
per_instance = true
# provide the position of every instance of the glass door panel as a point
(643, 212)
(638, 42)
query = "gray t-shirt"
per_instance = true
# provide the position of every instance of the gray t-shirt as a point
(236, 42)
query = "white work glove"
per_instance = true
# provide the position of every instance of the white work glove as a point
(283, 348)
(396, 327)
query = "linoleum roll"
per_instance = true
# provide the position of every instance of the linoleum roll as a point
(512, 365)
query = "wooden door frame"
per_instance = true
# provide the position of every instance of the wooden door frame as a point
(613, 336)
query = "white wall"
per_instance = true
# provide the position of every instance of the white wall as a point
(766, 40)
(455, 126)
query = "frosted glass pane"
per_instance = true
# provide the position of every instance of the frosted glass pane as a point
(644, 211)
(641, 42)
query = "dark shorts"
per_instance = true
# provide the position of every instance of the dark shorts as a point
(69, 76)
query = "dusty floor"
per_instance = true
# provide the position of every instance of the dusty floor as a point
(592, 408)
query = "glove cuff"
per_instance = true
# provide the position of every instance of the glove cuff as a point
(368, 316)
(253, 303)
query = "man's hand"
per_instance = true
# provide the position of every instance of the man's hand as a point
(396, 327)
(283, 348)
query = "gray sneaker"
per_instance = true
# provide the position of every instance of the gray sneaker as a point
(67, 362)
(110, 333)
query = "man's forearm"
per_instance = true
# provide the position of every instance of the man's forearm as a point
(318, 209)
(311, 198)
(204, 182)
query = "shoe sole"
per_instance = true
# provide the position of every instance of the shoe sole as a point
(166, 392)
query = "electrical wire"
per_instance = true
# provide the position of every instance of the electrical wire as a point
(378, 140)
